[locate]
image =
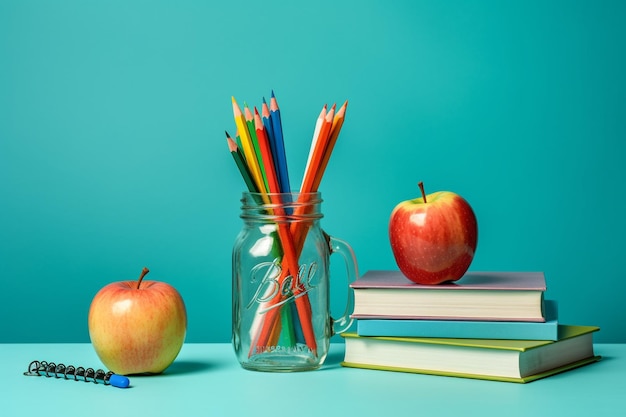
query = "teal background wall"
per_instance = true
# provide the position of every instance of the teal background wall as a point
(113, 157)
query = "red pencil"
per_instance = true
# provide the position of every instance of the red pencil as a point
(266, 154)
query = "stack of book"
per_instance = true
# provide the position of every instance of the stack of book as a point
(487, 325)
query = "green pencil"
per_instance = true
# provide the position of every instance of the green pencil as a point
(255, 141)
(241, 164)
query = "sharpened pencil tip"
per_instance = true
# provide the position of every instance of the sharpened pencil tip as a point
(273, 93)
(330, 114)
(227, 135)
(232, 145)
(258, 124)
(342, 109)
(236, 108)
(247, 113)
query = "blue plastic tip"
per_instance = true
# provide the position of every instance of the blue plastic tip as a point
(119, 381)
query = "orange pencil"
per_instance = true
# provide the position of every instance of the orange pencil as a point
(318, 126)
(318, 152)
(299, 230)
(317, 172)
(334, 134)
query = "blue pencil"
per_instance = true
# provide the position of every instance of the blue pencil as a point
(281, 157)
(266, 118)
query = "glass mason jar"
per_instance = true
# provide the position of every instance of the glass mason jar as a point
(281, 283)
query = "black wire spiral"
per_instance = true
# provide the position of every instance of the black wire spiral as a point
(50, 369)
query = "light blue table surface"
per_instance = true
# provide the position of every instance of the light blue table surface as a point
(206, 380)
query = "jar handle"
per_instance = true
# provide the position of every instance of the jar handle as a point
(342, 247)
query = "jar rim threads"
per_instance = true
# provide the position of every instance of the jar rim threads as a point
(281, 207)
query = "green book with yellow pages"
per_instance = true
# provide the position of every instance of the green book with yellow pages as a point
(493, 359)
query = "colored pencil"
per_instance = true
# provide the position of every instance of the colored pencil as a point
(316, 132)
(266, 154)
(317, 153)
(255, 142)
(266, 118)
(300, 229)
(238, 140)
(281, 157)
(241, 164)
(334, 134)
(248, 147)
(288, 335)
(317, 172)
(267, 122)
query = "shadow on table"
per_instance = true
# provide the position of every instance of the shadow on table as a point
(188, 367)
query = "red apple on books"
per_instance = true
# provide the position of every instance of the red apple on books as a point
(433, 237)
(137, 327)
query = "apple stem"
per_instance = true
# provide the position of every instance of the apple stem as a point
(144, 271)
(421, 185)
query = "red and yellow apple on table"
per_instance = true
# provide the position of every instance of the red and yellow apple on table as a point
(138, 327)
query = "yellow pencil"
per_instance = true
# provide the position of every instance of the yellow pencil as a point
(248, 147)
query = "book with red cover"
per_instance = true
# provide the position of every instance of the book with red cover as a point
(491, 295)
